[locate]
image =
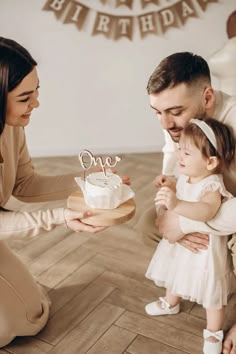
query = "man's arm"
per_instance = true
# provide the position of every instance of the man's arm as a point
(193, 234)
(168, 224)
(224, 223)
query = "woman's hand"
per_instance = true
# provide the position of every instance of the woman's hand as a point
(126, 180)
(73, 220)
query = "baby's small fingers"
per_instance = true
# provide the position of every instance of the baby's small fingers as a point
(165, 189)
(159, 197)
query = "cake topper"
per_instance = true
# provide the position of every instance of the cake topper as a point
(87, 160)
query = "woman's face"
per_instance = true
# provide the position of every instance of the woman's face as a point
(22, 100)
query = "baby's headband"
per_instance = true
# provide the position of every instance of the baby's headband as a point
(206, 130)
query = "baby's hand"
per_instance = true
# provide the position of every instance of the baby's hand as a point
(165, 181)
(160, 181)
(166, 196)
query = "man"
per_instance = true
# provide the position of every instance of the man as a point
(180, 89)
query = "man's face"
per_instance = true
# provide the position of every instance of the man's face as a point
(175, 107)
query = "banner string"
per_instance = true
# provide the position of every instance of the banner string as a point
(122, 26)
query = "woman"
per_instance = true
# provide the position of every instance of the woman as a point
(24, 308)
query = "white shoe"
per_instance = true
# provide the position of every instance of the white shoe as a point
(210, 347)
(153, 309)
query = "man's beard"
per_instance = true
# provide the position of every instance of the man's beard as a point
(201, 114)
(175, 138)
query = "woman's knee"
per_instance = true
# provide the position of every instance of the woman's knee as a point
(5, 340)
(6, 331)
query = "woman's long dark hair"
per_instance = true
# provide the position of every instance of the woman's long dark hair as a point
(15, 63)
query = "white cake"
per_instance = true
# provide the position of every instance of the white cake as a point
(103, 192)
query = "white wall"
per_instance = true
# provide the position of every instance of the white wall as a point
(93, 90)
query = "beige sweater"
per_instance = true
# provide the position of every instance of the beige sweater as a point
(18, 178)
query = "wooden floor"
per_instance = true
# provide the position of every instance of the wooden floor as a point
(97, 284)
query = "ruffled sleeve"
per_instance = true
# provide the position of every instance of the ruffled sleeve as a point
(215, 183)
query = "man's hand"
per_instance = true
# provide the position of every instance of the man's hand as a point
(167, 223)
(73, 220)
(195, 242)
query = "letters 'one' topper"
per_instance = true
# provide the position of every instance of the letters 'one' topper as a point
(87, 160)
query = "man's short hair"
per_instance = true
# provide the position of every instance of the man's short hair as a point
(177, 68)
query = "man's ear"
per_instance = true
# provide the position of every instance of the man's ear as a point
(209, 97)
(213, 162)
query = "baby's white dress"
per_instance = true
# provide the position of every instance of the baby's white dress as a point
(205, 277)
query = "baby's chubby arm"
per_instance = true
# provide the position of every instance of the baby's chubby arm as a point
(202, 210)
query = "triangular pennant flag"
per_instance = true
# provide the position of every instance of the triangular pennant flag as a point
(184, 10)
(104, 24)
(203, 3)
(57, 6)
(124, 27)
(144, 3)
(168, 18)
(147, 24)
(77, 14)
(128, 3)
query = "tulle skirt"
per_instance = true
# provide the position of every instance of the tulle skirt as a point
(206, 277)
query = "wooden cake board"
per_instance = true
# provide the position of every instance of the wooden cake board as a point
(102, 217)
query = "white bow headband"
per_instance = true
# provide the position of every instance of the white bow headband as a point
(206, 130)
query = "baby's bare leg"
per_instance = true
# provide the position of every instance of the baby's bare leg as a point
(173, 300)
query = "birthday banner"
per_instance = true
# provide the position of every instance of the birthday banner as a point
(116, 27)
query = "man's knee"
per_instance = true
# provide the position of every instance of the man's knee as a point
(147, 228)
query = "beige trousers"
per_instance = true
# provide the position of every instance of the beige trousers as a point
(24, 306)
(146, 226)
